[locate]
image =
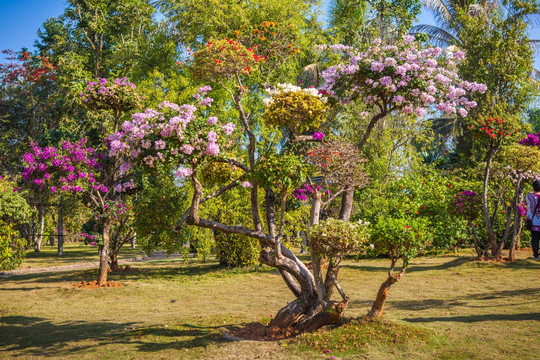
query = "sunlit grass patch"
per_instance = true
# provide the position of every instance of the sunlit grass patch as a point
(358, 335)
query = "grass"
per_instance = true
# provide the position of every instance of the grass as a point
(443, 308)
(73, 253)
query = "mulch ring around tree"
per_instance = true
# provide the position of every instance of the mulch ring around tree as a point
(260, 332)
(121, 269)
(482, 258)
(94, 284)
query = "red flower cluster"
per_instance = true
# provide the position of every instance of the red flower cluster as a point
(24, 68)
(493, 128)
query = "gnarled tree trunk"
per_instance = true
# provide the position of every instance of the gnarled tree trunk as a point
(378, 306)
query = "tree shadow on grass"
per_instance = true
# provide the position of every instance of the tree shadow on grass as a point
(529, 294)
(38, 336)
(412, 268)
(186, 336)
(33, 336)
(158, 272)
(477, 318)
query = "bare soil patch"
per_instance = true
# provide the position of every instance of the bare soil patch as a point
(94, 284)
(259, 332)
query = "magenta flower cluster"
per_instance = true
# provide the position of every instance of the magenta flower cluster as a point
(70, 168)
(318, 136)
(409, 78)
(466, 204)
(173, 131)
(531, 140)
(303, 192)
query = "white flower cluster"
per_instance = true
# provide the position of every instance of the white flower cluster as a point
(284, 88)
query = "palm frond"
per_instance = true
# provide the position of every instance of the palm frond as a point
(437, 36)
(535, 75)
(535, 45)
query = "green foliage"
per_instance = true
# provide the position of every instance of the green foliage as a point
(521, 158)
(12, 251)
(334, 238)
(401, 238)
(297, 111)
(157, 209)
(285, 171)
(13, 206)
(423, 194)
(237, 250)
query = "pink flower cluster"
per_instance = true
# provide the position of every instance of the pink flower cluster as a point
(410, 78)
(71, 167)
(173, 131)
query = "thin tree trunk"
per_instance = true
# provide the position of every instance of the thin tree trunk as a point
(33, 228)
(60, 229)
(346, 204)
(114, 261)
(41, 225)
(104, 257)
(517, 223)
(475, 239)
(490, 234)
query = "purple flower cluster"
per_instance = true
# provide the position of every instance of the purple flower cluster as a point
(306, 190)
(119, 94)
(531, 140)
(407, 76)
(466, 204)
(69, 168)
(318, 136)
(172, 131)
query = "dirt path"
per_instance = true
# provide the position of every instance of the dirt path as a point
(157, 255)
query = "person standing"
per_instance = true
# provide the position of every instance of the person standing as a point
(533, 213)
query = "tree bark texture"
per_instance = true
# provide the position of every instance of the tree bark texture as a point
(60, 229)
(104, 256)
(378, 306)
(41, 225)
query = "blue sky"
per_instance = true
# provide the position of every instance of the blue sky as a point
(22, 18)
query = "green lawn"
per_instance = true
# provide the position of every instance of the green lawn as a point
(444, 308)
(73, 253)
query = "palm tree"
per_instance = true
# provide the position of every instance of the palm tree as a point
(448, 29)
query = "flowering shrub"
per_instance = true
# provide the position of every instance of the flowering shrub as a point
(492, 129)
(467, 205)
(401, 238)
(405, 76)
(335, 238)
(71, 167)
(531, 140)
(295, 108)
(119, 95)
(273, 40)
(173, 131)
(222, 59)
(91, 239)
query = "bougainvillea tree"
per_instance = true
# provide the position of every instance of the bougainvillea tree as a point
(190, 137)
(75, 168)
(402, 78)
(491, 134)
